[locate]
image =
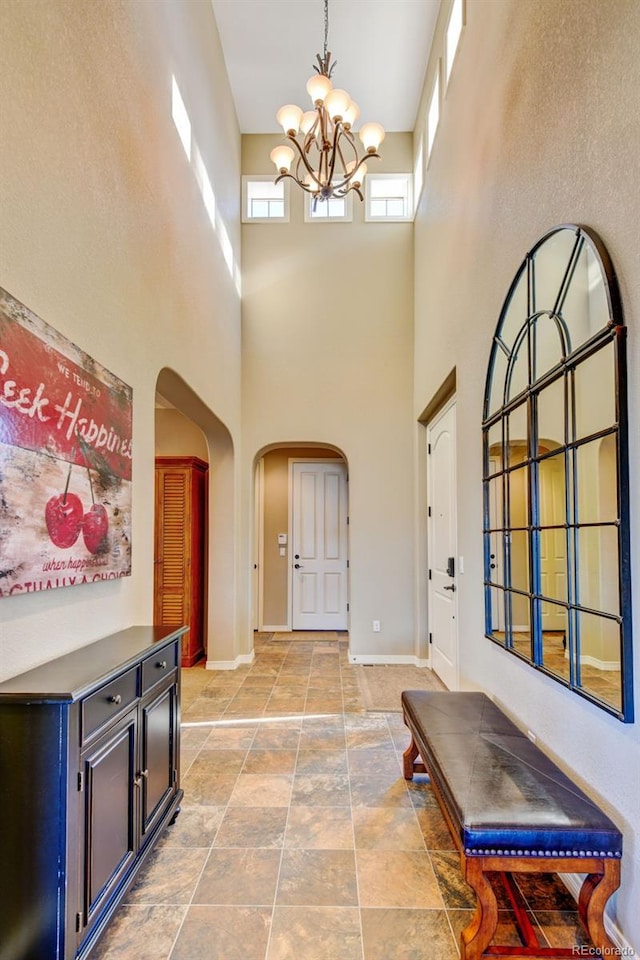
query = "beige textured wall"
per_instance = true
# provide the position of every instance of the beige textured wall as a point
(104, 235)
(177, 436)
(327, 348)
(540, 127)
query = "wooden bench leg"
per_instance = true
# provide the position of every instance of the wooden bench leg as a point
(477, 936)
(594, 893)
(408, 759)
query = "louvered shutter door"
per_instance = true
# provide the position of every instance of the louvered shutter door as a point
(172, 596)
(179, 559)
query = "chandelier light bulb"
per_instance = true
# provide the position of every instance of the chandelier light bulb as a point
(308, 120)
(282, 156)
(336, 103)
(351, 114)
(289, 118)
(372, 135)
(318, 86)
(359, 176)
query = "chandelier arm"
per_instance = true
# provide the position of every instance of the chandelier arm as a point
(336, 136)
(300, 183)
(348, 179)
(306, 163)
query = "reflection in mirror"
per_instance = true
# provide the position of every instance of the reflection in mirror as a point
(519, 560)
(495, 448)
(520, 622)
(598, 577)
(550, 265)
(550, 344)
(519, 370)
(585, 302)
(518, 488)
(496, 565)
(556, 499)
(552, 489)
(495, 503)
(497, 614)
(500, 360)
(551, 416)
(517, 312)
(597, 481)
(595, 398)
(555, 631)
(600, 666)
(553, 564)
(518, 433)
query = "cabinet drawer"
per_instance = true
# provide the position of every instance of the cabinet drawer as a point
(159, 665)
(109, 701)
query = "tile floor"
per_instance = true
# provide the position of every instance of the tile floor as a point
(298, 837)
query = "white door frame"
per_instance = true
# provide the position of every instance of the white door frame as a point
(258, 547)
(293, 460)
(442, 411)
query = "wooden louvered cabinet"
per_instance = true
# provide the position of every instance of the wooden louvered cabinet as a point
(180, 550)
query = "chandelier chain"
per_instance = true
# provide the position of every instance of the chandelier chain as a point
(326, 28)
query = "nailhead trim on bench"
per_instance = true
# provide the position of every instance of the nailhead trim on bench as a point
(541, 853)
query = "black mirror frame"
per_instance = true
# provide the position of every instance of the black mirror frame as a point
(613, 333)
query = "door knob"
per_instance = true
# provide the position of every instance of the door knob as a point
(452, 587)
(298, 566)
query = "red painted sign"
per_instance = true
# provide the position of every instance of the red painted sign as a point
(65, 460)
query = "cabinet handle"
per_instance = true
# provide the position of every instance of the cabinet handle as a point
(137, 781)
(161, 664)
(116, 699)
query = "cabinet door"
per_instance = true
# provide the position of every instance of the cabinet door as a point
(180, 550)
(111, 786)
(159, 746)
(173, 547)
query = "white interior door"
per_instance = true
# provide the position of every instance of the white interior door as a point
(441, 478)
(319, 545)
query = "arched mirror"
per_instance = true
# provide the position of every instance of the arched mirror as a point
(556, 491)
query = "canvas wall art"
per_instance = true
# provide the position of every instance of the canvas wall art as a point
(65, 460)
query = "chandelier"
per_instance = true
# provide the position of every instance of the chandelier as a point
(327, 163)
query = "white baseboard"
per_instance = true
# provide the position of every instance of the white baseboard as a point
(373, 659)
(241, 660)
(277, 628)
(599, 664)
(573, 882)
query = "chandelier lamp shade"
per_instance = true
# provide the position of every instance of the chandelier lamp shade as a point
(323, 156)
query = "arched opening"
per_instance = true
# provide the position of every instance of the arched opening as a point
(300, 548)
(201, 433)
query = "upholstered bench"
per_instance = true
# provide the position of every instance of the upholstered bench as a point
(510, 809)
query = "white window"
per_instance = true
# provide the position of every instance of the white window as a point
(454, 29)
(327, 211)
(180, 117)
(264, 201)
(433, 115)
(418, 174)
(388, 196)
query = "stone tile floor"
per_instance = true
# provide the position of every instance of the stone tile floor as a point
(298, 837)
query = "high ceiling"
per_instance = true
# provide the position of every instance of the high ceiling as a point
(381, 48)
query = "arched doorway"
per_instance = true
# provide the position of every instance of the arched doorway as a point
(301, 578)
(219, 541)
